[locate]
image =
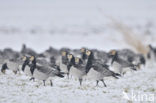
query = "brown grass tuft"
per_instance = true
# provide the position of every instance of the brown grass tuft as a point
(130, 37)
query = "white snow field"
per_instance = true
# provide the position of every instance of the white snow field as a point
(75, 24)
(18, 89)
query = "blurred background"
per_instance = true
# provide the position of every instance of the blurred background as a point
(100, 24)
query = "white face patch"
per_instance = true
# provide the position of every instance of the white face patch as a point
(63, 53)
(77, 60)
(113, 52)
(70, 56)
(24, 58)
(88, 52)
(32, 58)
(82, 50)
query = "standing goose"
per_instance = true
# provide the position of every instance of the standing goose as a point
(77, 68)
(83, 54)
(9, 59)
(13, 65)
(64, 63)
(43, 72)
(120, 65)
(26, 67)
(97, 70)
(132, 57)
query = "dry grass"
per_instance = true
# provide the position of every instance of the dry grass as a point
(130, 37)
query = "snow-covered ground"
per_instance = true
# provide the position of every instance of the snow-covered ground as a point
(75, 23)
(18, 89)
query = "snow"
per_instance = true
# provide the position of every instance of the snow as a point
(18, 88)
(74, 24)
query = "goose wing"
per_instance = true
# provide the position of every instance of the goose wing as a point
(43, 69)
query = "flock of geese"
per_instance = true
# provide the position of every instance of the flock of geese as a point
(76, 63)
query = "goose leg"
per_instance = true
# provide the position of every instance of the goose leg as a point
(104, 83)
(80, 80)
(44, 82)
(97, 83)
(68, 75)
(51, 83)
(33, 79)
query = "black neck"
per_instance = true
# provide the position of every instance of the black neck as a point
(89, 62)
(83, 56)
(33, 66)
(115, 57)
(72, 61)
(24, 64)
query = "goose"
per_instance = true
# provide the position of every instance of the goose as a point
(77, 68)
(26, 67)
(64, 63)
(120, 65)
(97, 70)
(43, 72)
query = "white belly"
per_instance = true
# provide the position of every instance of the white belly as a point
(92, 74)
(39, 75)
(27, 71)
(20, 67)
(76, 73)
(124, 70)
(117, 68)
(63, 68)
